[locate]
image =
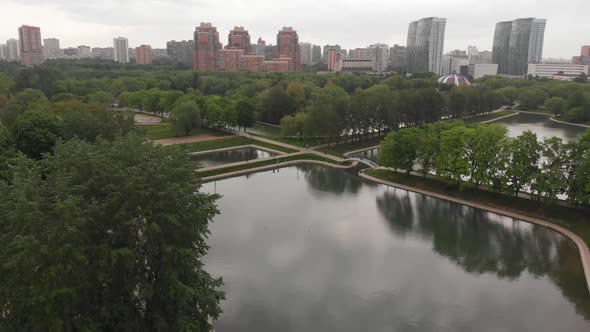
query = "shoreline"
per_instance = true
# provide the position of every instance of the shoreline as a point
(580, 244)
(583, 249)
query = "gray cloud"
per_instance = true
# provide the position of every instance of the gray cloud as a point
(351, 23)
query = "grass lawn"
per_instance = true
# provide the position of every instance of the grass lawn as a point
(340, 149)
(165, 130)
(307, 156)
(487, 117)
(229, 142)
(293, 141)
(575, 219)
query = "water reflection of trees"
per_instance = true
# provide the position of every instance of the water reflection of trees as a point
(330, 180)
(480, 242)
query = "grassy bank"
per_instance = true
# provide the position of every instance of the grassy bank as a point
(165, 130)
(340, 149)
(488, 117)
(306, 156)
(230, 142)
(293, 141)
(575, 219)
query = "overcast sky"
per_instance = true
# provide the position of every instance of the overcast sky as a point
(350, 23)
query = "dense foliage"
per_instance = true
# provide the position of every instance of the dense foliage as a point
(105, 236)
(483, 155)
(368, 103)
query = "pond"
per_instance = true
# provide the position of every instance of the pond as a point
(260, 128)
(231, 156)
(541, 125)
(311, 248)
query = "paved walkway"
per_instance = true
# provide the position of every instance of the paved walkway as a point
(290, 146)
(274, 166)
(191, 139)
(582, 247)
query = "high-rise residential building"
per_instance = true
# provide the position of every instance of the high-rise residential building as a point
(358, 53)
(206, 47)
(259, 46)
(516, 43)
(239, 38)
(269, 52)
(252, 63)
(397, 55)
(501, 45)
(51, 48)
(121, 49)
(425, 44)
(143, 55)
(583, 58)
(159, 53)
(316, 54)
(12, 50)
(70, 52)
(229, 59)
(30, 45)
(103, 53)
(288, 47)
(132, 54)
(380, 53)
(3, 51)
(327, 48)
(333, 57)
(84, 51)
(181, 51)
(306, 53)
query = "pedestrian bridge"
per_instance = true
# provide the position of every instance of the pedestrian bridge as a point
(365, 161)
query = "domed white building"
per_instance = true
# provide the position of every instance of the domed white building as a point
(454, 79)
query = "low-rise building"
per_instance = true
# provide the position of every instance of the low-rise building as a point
(355, 65)
(550, 70)
(104, 53)
(479, 70)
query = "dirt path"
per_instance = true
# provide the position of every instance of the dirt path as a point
(191, 139)
(146, 119)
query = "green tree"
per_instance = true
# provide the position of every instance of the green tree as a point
(551, 179)
(555, 105)
(532, 97)
(36, 132)
(522, 161)
(484, 145)
(186, 117)
(246, 112)
(451, 162)
(399, 149)
(106, 236)
(22, 102)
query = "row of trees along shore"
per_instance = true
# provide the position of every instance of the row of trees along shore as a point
(363, 104)
(483, 155)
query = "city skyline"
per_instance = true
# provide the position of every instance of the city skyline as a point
(175, 20)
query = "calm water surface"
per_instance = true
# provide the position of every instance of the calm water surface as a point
(231, 156)
(541, 125)
(316, 249)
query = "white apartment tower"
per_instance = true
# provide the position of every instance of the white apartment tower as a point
(121, 50)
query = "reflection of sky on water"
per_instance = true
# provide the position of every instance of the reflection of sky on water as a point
(316, 249)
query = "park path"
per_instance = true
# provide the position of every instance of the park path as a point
(191, 139)
(290, 146)
(144, 119)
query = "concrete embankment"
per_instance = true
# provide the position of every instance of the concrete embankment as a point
(582, 247)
